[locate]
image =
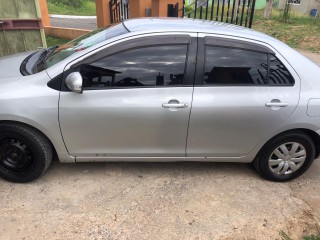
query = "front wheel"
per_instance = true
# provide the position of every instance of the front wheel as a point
(25, 154)
(286, 157)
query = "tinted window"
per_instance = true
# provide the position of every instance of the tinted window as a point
(231, 66)
(82, 43)
(279, 74)
(142, 67)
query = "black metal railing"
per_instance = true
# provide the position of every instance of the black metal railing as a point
(119, 10)
(239, 12)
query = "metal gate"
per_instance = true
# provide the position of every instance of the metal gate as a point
(239, 12)
(119, 10)
(20, 26)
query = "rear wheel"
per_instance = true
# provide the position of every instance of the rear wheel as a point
(286, 157)
(25, 154)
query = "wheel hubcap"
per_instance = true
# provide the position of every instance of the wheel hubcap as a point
(287, 158)
(14, 155)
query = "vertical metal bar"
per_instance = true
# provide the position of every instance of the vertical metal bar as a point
(248, 8)
(243, 5)
(207, 6)
(183, 8)
(212, 9)
(121, 10)
(228, 11)
(222, 12)
(233, 8)
(252, 13)
(177, 10)
(125, 11)
(110, 9)
(195, 9)
(128, 10)
(218, 5)
(237, 17)
(118, 12)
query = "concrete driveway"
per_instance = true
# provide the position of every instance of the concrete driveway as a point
(65, 21)
(159, 201)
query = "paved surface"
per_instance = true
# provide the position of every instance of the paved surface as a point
(159, 201)
(313, 56)
(89, 24)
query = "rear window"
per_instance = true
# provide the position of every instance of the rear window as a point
(232, 66)
(279, 74)
(237, 67)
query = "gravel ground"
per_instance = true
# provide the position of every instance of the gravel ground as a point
(159, 201)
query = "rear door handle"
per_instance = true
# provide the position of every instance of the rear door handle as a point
(174, 105)
(277, 104)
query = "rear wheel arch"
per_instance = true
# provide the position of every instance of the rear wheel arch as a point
(276, 162)
(312, 134)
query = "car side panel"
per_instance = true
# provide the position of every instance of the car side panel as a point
(229, 121)
(30, 101)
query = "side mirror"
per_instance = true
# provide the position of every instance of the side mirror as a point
(74, 82)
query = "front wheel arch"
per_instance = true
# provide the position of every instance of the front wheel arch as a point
(22, 124)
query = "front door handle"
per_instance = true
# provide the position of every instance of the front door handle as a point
(277, 104)
(174, 105)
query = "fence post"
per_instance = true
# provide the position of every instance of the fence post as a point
(103, 13)
(252, 13)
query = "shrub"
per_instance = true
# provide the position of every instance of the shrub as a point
(71, 3)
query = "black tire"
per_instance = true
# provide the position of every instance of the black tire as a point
(25, 153)
(261, 161)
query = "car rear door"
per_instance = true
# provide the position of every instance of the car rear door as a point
(136, 101)
(238, 100)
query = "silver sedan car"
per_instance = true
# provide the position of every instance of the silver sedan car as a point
(161, 90)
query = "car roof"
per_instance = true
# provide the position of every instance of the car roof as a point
(191, 25)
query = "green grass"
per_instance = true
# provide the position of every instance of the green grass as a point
(312, 237)
(285, 236)
(300, 32)
(88, 8)
(53, 41)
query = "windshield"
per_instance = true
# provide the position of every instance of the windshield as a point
(82, 43)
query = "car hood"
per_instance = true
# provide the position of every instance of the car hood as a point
(10, 65)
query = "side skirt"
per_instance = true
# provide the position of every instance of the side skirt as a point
(162, 159)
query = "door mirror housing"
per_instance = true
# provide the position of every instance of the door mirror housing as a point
(74, 82)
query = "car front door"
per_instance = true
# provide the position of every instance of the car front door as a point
(136, 100)
(243, 93)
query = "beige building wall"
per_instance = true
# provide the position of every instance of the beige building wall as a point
(304, 7)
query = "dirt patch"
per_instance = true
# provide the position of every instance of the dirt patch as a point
(159, 201)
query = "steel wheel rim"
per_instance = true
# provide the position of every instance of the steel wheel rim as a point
(15, 155)
(287, 158)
